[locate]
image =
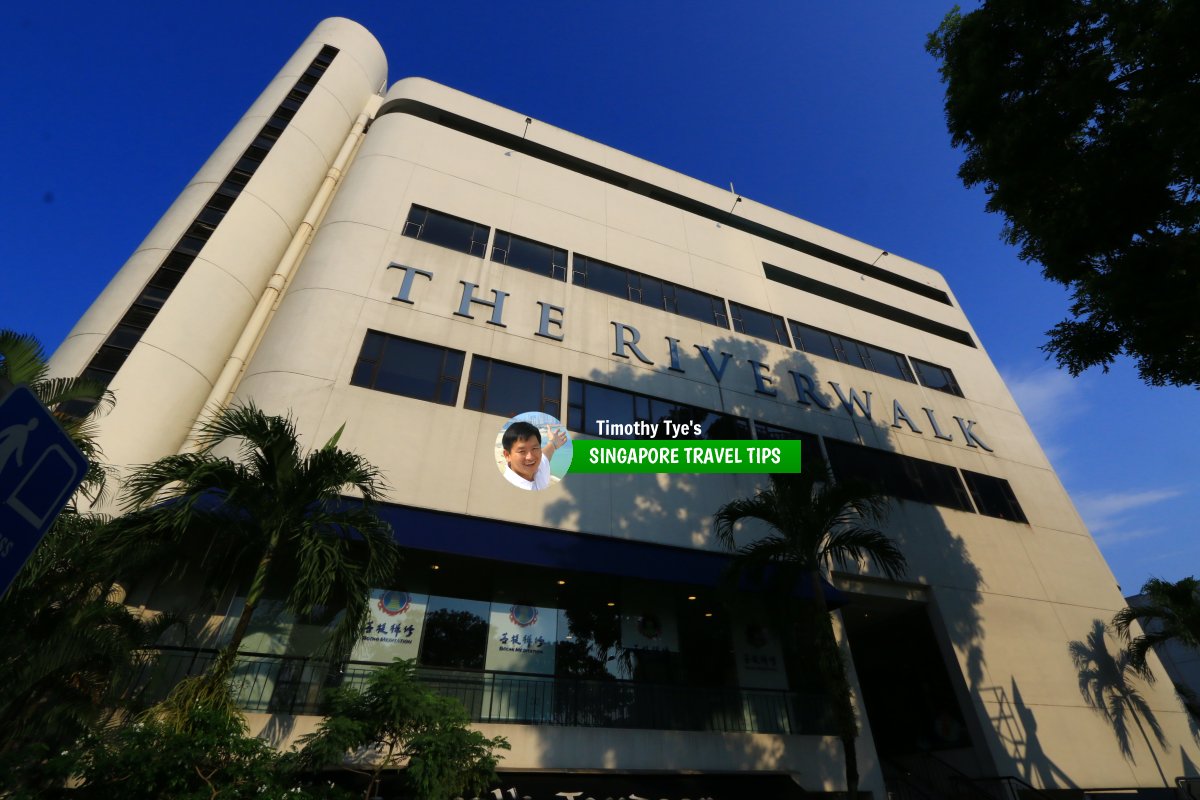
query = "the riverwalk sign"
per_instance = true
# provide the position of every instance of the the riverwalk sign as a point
(40, 468)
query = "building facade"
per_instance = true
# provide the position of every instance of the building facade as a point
(421, 265)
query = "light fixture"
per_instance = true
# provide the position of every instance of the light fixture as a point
(708, 613)
(610, 605)
(435, 566)
(691, 597)
(562, 583)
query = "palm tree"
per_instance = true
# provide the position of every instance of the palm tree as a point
(1169, 612)
(23, 361)
(283, 509)
(813, 525)
(68, 645)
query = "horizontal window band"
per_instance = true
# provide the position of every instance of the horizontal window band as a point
(511, 141)
(849, 298)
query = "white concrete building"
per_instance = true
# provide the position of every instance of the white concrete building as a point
(421, 265)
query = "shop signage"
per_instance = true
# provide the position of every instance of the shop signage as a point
(800, 386)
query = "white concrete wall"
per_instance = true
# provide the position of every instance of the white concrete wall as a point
(167, 377)
(1013, 597)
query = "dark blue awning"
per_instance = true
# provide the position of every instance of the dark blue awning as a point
(508, 542)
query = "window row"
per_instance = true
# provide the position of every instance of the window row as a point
(128, 332)
(431, 372)
(475, 617)
(922, 481)
(470, 237)
(520, 252)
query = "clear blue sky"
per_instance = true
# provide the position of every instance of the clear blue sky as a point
(829, 111)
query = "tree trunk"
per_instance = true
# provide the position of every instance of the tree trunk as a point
(837, 685)
(255, 594)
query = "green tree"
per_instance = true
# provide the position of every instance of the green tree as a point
(1078, 118)
(396, 721)
(211, 756)
(1168, 612)
(813, 524)
(68, 645)
(23, 361)
(281, 509)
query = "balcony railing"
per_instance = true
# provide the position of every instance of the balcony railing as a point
(292, 685)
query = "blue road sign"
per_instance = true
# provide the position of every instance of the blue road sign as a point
(40, 468)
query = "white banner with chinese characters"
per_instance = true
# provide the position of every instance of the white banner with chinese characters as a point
(394, 628)
(521, 639)
(759, 656)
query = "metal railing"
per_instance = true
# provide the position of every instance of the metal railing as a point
(294, 685)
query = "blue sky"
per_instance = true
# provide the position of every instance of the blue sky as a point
(829, 111)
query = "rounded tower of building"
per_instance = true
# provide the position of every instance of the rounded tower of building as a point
(162, 334)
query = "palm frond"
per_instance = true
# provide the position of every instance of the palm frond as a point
(862, 546)
(22, 359)
(761, 507)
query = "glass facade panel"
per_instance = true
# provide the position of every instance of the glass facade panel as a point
(885, 362)
(936, 377)
(899, 476)
(818, 342)
(447, 231)
(456, 633)
(531, 256)
(591, 403)
(994, 496)
(407, 367)
(649, 291)
(496, 387)
(762, 324)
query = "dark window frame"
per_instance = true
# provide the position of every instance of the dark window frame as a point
(646, 408)
(585, 268)
(738, 316)
(994, 497)
(549, 403)
(419, 230)
(445, 385)
(557, 256)
(950, 384)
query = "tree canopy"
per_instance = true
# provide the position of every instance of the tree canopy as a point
(395, 721)
(1165, 612)
(1080, 120)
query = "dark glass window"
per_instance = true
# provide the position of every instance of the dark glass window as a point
(810, 447)
(629, 285)
(818, 342)
(497, 387)
(935, 377)
(994, 496)
(851, 351)
(455, 633)
(753, 322)
(885, 362)
(210, 216)
(698, 305)
(897, 475)
(125, 336)
(441, 229)
(588, 403)
(109, 358)
(410, 368)
(152, 297)
(526, 254)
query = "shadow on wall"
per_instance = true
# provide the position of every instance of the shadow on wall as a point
(1016, 726)
(1107, 683)
(642, 506)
